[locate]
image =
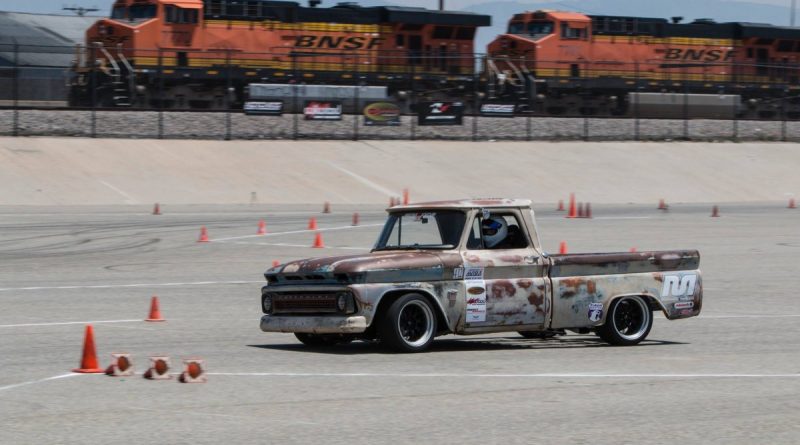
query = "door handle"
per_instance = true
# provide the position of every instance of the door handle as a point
(531, 259)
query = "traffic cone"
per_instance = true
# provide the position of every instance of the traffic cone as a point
(326, 208)
(405, 197)
(562, 248)
(155, 312)
(312, 223)
(588, 211)
(792, 204)
(159, 368)
(355, 219)
(391, 202)
(633, 250)
(89, 360)
(121, 366)
(193, 371)
(276, 263)
(560, 205)
(156, 209)
(262, 228)
(715, 212)
(203, 235)
(580, 210)
(662, 205)
(318, 244)
(573, 213)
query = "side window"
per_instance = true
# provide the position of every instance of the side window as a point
(500, 231)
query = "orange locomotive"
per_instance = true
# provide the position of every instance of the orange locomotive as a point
(571, 63)
(202, 53)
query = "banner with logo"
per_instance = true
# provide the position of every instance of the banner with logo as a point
(440, 113)
(381, 114)
(498, 109)
(266, 108)
(322, 110)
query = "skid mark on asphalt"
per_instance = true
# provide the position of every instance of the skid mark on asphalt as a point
(115, 286)
(504, 376)
(33, 382)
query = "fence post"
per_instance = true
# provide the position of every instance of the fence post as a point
(413, 104)
(585, 114)
(475, 106)
(94, 91)
(160, 94)
(228, 94)
(685, 84)
(636, 102)
(15, 93)
(356, 102)
(295, 117)
(783, 115)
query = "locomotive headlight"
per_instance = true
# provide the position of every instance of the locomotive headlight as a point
(266, 303)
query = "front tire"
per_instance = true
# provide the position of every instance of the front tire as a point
(409, 325)
(628, 322)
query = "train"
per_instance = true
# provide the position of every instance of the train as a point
(203, 54)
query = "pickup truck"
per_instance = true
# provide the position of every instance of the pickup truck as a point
(438, 269)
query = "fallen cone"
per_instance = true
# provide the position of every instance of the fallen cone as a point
(193, 372)
(203, 235)
(121, 366)
(662, 205)
(562, 248)
(355, 219)
(792, 204)
(262, 228)
(715, 212)
(312, 223)
(155, 312)
(560, 206)
(159, 368)
(89, 359)
(318, 244)
(156, 209)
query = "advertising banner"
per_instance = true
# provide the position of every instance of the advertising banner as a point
(440, 113)
(381, 114)
(323, 110)
(266, 108)
(498, 109)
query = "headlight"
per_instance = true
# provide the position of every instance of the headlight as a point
(341, 302)
(266, 303)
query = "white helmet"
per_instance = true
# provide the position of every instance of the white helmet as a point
(494, 230)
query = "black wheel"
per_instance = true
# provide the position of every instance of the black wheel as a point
(322, 340)
(409, 325)
(541, 335)
(628, 322)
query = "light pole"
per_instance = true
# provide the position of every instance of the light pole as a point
(441, 6)
(794, 10)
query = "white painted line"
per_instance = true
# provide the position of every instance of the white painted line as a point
(365, 181)
(522, 376)
(291, 232)
(33, 382)
(364, 249)
(116, 286)
(63, 323)
(751, 316)
(128, 198)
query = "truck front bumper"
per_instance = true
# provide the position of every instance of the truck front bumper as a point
(314, 325)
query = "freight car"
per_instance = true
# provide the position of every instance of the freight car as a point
(569, 63)
(203, 53)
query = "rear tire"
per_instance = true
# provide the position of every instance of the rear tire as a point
(409, 325)
(628, 321)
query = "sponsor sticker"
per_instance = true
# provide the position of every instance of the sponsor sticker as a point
(267, 108)
(498, 109)
(440, 113)
(684, 305)
(382, 114)
(595, 311)
(476, 294)
(316, 110)
(678, 285)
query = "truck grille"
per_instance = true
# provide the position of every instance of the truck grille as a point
(304, 303)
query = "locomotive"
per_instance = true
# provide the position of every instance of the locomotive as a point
(570, 63)
(203, 53)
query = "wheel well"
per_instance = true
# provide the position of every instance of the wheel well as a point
(389, 297)
(651, 301)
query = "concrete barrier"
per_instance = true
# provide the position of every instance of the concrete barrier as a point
(76, 171)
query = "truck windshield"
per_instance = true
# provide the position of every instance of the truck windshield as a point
(422, 230)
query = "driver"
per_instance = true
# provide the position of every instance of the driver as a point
(495, 231)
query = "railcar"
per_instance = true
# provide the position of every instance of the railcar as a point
(572, 63)
(203, 53)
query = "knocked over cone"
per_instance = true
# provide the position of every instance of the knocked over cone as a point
(121, 366)
(159, 368)
(193, 372)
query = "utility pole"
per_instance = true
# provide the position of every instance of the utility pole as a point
(794, 11)
(441, 5)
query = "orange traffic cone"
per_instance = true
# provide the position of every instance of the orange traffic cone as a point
(715, 212)
(156, 209)
(580, 210)
(262, 228)
(318, 244)
(792, 204)
(326, 208)
(391, 202)
(203, 235)
(155, 312)
(276, 263)
(560, 205)
(405, 197)
(355, 219)
(662, 205)
(89, 359)
(312, 223)
(633, 250)
(562, 248)
(573, 212)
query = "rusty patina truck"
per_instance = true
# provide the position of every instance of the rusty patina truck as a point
(438, 268)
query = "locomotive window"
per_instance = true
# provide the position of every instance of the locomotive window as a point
(785, 45)
(175, 14)
(118, 12)
(797, 48)
(442, 32)
(516, 28)
(750, 53)
(537, 28)
(614, 25)
(252, 9)
(572, 33)
(234, 9)
(400, 39)
(138, 12)
(412, 27)
(465, 33)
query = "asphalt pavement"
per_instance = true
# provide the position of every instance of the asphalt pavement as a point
(730, 376)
